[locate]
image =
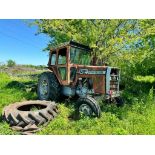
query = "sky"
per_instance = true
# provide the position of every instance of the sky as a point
(19, 43)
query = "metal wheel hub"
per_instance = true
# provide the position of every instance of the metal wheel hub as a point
(85, 109)
(44, 88)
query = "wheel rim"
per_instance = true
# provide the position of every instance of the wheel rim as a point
(43, 88)
(86, 110)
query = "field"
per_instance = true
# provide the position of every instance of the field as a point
(137, 116)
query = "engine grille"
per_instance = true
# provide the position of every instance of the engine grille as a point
(114, 82)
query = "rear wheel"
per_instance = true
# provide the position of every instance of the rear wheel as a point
(48, 87)
(88, 107)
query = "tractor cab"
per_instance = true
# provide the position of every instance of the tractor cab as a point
(63, 60)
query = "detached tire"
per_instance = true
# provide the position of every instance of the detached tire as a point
(34, 112)
(48, 87)
(88, 106)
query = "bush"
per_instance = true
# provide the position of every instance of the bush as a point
(11, 63)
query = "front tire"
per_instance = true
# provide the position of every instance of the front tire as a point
(48, 87)
(119, 101)
(88, 106)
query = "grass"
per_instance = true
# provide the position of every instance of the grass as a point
(136, 117)
(145, 79)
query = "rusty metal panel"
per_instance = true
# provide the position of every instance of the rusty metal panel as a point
(99, 84)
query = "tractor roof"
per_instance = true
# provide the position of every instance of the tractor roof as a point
(73, 44)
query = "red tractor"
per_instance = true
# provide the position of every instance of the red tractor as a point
(73, 72)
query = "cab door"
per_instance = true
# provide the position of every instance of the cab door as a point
(62, 65)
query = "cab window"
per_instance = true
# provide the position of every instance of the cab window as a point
(79, 56)
(62, 72)
(62, 56)
(53, 58)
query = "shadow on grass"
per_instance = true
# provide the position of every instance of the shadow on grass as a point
(1, 119)
(139, 87)
(22, 85)
(27, 90)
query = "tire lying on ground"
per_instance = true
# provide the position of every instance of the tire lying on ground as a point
(23, 113)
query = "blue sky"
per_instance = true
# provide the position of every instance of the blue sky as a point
(19, 43)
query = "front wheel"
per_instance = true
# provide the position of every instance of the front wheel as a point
(88, 106)
(119, 101)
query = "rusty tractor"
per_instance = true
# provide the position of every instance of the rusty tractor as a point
(73, 72)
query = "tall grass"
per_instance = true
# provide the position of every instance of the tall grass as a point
(137, 116)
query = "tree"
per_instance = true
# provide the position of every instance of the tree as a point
(106, 37)
(128, 44)
(11, 63)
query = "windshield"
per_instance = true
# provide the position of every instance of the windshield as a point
(79, 56)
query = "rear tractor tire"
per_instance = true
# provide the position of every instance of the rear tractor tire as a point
(88, 106)
(48, 87)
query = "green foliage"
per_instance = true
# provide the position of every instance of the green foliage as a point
(11, 63)
(106, 37)
(151, 94)
(149, 79)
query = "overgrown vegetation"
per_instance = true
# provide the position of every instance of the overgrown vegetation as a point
(136, 117)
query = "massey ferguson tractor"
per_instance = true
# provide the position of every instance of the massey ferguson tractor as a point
(74, 73)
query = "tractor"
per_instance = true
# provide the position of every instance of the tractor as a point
(74, 73)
